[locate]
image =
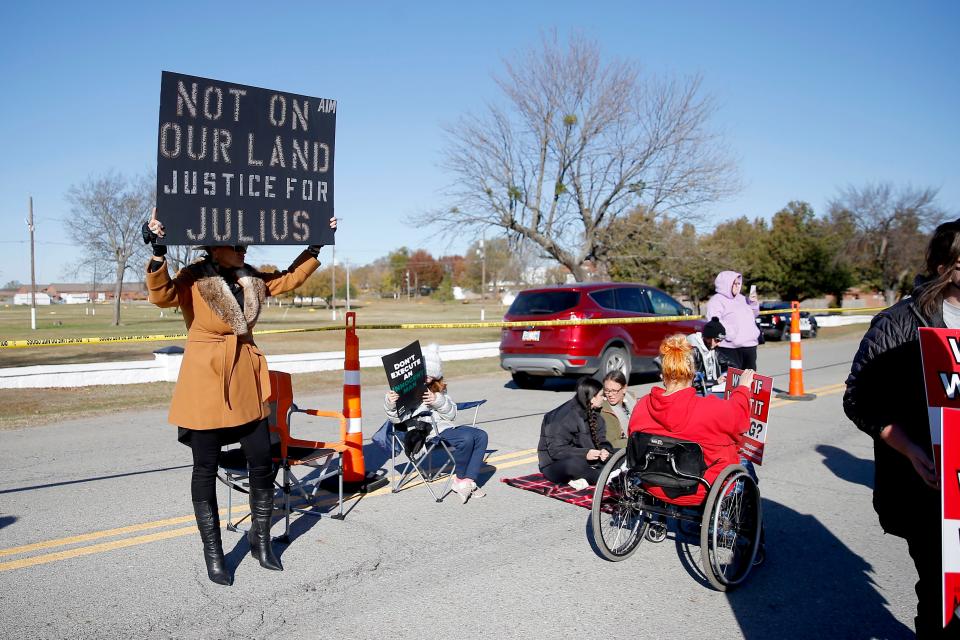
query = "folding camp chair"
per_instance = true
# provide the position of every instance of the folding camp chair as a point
(420, 463)
(324, 458)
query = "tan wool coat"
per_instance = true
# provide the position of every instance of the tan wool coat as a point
(223, 379)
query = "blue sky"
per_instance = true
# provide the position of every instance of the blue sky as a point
(812, 96)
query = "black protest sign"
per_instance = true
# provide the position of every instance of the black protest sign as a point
(243, 165)
(407, 376)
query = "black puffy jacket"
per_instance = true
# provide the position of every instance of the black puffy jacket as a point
(564, 433)
(886, 386)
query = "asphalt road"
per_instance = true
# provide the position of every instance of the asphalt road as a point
(97, 541)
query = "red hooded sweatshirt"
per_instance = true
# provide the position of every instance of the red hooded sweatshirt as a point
(717, 425)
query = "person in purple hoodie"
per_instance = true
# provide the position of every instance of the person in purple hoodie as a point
(738, 316)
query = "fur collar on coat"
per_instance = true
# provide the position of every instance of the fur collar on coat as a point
(216, 292)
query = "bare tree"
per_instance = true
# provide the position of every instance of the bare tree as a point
(579, 144)
(106, 215)
(890, 229)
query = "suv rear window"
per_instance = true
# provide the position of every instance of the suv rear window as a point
(536, 303)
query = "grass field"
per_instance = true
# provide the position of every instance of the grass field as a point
(31, 407)
(28, 407)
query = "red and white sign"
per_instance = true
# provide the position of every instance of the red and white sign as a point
(940, 349)
(760, 392)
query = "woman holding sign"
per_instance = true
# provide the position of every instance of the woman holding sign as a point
(223, 382)
(469, 443)
(886, 399)
(677, 411)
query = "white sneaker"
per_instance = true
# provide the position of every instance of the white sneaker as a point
(476, 491)
(462, 488)
(579, 484)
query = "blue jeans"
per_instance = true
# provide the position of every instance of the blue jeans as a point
(469, 444)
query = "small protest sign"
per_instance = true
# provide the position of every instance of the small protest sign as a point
(755, 438)
(242, 165)
(407, 375)
(940, 355)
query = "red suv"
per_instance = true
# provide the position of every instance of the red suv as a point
(531, 354)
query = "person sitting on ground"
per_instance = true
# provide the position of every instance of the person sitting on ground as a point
(618, 404)
(573, 444)
(711, 371)
(469, 444)
(677, 411)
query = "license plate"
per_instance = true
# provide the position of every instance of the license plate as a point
(531, 336)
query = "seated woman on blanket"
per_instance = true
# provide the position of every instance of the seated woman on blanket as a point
(675, 410)
(573, 443)
(469, 444)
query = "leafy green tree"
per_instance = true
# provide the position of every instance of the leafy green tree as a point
(805, 255)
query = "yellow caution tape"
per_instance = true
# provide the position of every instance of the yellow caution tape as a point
(63, 342)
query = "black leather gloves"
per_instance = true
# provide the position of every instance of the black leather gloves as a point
(149, 237)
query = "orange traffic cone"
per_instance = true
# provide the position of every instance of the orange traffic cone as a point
(353, 467)
(796, 359)
(354, 470)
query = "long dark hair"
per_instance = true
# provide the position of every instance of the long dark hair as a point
(942, 251)
(587, 389)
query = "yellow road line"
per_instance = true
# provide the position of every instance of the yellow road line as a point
(95, 548)
(156, 524)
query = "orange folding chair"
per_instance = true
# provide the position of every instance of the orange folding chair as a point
(325, 459)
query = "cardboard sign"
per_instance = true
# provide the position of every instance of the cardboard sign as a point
(755, 438)
(407, 375)
(243, 165)
(940, 351)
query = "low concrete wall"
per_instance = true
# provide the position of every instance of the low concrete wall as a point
(841, 320)
(166, 367)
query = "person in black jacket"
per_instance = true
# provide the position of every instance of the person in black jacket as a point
(886, 398)
(573, 443)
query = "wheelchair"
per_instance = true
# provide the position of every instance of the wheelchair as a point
(625, 511)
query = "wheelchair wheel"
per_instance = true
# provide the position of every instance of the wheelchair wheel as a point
(617, 515)
(730, 531)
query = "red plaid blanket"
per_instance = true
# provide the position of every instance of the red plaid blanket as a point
(538, 484)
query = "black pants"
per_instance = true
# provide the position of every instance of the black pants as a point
(740, 358)
(925, 551)
(567, 469)
(254, 438)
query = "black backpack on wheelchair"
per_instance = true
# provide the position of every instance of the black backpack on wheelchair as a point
(677, 466)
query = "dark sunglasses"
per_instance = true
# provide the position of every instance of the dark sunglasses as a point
(239, 248)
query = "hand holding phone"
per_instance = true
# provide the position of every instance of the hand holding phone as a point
(753, 293)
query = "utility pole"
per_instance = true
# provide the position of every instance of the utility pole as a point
(483, 278)
(333, 282)
(408, 285)
(33, 276)
(346, 263)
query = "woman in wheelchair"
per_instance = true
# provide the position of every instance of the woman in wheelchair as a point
(573, 444)
(677, 411)
(469, 443)
(681, 463)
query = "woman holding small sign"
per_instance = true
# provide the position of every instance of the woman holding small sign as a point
(469, 443)
(886, 399)
(223, 383)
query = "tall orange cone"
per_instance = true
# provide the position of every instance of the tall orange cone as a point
(353, 467)
(796, 359)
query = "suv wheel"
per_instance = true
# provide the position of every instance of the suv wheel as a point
(527, 381)
(813, 331)
(615, 359)
(785, 334)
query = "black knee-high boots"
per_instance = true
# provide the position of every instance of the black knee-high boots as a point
(261, 512)
(208, 522)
